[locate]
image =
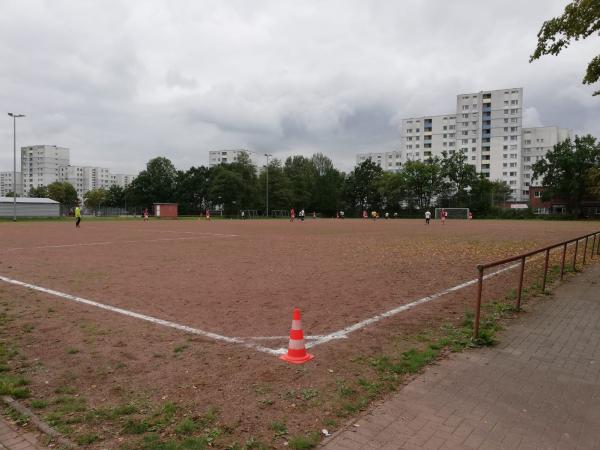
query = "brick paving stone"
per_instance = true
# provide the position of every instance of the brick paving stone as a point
(538, 388)
(12, 438)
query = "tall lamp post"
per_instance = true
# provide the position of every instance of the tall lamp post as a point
(268, 156)
(15, 117)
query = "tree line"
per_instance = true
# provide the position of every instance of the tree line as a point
(570, 171)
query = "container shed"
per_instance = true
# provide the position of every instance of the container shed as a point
(165, 210)
(29, 207)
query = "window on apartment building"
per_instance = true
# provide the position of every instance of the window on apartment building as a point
(473, 158)
(506, 129)
(506, 138)
(504, 155)
(506, 111)
(513, 174)
(409, 130)
(514, 111)
(465, 132)
(527, 141)
(445, 136)
(417, 146)
(505, 120)
(473, 149)
(417, 130)
(513, 129)
(513, 146)
(450, 144)
(513, 156)
(514, 138)
(504, 174)
(527, 158)
(465, 107)
(464, 141)
(417, 138)
(514, 102)
(514, 120)
(445, 144)
(512, 182)
(465, 124)
(451, 136)
(514, 164)
(465, 116)
(474, 122)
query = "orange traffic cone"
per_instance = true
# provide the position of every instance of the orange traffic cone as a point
(296, 351)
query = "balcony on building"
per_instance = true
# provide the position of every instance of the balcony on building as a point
(486, 108)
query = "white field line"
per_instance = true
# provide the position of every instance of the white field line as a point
(343, 333)
(194, 232)
(90, 244)
(165, 323)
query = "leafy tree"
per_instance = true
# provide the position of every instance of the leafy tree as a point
(566, 170)
(39, 192)
(328, 187)
(157, 183)
(280, 192)
(192, 189)
(63, 192)
(594, 182)
(115, 197)
(225, 188)
(11, 194)
(486, 196)
(301, 173)
(460, 177)
(362, 186)
(580, 20)
(422, 182)
(95, 198)
(248, 195)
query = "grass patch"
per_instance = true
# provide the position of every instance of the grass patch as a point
(136, 427)
(87, 438)
(180, 348)
(305, 441)
(16, 416)
(14, 386)
(72, 351)
(279, 428)
(186, 427)
(38, 403)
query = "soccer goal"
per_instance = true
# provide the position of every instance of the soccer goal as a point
(248, 214)
(280, 213)
(453, 213)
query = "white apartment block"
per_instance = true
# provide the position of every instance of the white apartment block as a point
(216, 157)
(536, 143)
(7, 185)
(426, 137)
(488, 129)
(388, 161)
(40, 165)
(121, 179)
(86, 178)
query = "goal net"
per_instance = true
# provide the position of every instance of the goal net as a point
(453, 213)
(280, 213)
(248, 214)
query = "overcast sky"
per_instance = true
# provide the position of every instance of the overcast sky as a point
(120, 82)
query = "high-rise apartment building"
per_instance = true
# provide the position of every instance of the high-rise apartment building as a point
(388, 161)
(488, 129)
(7, 185)
(40, 165)
(216, 157)
(536, 143)
(425, 137)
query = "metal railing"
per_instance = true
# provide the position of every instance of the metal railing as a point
(522, 257)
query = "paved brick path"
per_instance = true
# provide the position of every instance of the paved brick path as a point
(538, 389)
(12, 438)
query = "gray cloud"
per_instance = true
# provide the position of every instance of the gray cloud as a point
(122, 81)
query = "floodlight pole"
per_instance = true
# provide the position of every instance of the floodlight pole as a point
(268, 156)
(15, 117)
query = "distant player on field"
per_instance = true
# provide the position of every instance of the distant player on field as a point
(292, 214)
(145, 214)
(365, 215)
(77, 216)
(207, 214)
(470, 215)
(301, 215)
(427, 217)
(443, 215)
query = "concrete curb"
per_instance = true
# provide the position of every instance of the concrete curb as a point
(40, 424)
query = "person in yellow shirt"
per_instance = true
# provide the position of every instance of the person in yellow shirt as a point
(77, 216)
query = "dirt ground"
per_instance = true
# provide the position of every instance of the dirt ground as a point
(238, 279)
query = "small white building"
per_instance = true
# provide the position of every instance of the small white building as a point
(29, 207)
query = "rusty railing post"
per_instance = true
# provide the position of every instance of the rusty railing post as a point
(593, 247)
(545, 269)
(585, 249)
(598, 247)
(520, 284)
(562, 264)
(478, 304)
(575, 256)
